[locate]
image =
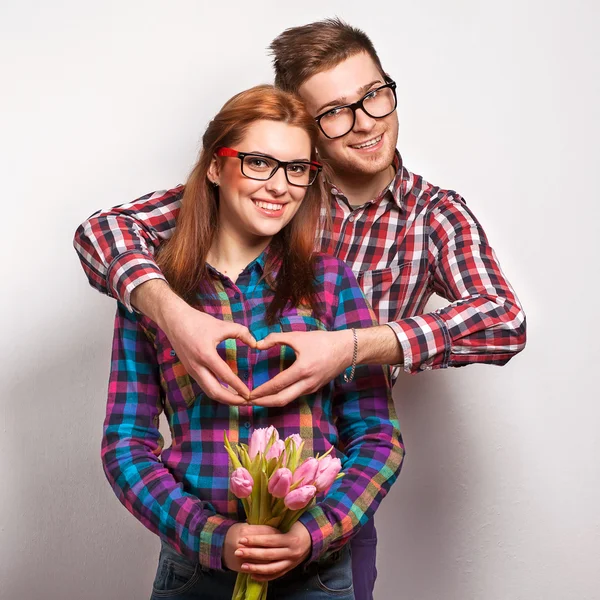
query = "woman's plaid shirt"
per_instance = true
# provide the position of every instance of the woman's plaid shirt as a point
(184, 496)
(414, 240)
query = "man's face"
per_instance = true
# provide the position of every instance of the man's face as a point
(355, 153)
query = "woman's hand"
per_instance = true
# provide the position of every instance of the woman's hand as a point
(237, 532)
(269, 556)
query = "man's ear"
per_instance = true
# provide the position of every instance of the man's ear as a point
(213, 173)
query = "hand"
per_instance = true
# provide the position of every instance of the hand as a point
(232, 542)
(320, 357)
(194, 336)
(270, 556)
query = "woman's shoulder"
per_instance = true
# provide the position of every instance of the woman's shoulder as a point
(327, 263)
(330, 269)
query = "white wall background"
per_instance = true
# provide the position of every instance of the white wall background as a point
(102, 102)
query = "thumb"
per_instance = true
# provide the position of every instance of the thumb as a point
(243, 334)
(273, 339)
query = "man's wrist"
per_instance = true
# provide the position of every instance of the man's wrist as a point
(156, 300)
(378, 345)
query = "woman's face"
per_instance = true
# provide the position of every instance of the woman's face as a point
(253, 209)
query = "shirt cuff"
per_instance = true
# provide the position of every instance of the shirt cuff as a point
(212, 540)
(425, 342)
(320, 530)
(129, 270)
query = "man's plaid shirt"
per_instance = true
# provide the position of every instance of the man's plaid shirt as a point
(413, 240)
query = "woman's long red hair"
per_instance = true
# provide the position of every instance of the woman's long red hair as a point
(183, 257)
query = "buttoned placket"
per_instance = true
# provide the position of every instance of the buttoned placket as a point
(240, 311)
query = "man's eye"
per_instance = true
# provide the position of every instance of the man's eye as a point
(334, 112)
(371, 95)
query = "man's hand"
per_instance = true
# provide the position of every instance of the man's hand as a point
(237, 532)
(194, 336)
(320, 357)
(269, 556)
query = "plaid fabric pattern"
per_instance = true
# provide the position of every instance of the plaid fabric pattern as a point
(182, 493)
(414, 240)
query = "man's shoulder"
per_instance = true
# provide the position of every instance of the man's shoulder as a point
(419, 194)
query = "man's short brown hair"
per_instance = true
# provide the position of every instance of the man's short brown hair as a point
(301, 52)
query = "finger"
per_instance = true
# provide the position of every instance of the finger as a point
(255, 530)
(212, 388)
(285, 397)
(275, 569)
(280, 382)
(243, 334)
(270, 540)
(221, 370)
(264, 555)
(274, 339)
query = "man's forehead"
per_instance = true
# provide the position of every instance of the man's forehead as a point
(350, 78)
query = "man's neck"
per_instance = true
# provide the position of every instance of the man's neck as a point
(360, 189)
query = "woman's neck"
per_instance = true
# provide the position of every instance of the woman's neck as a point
(230, 254)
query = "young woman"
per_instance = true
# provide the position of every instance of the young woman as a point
(243, 252)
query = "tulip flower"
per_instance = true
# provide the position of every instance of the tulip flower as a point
(300, 497)
(259, 440)
(327, 472)
(280, 482)
(275, 450)
(306, 472)
(296, 438)
(241, 483)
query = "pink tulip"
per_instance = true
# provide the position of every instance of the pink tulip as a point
(300, 497)
(276, 449)
(327, 472)
(259, 440)
(280, 482)
(306, 472)
(296, 438)
(241, 483)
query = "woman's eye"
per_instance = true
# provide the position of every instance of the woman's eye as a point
(297, 169)
(257, 163)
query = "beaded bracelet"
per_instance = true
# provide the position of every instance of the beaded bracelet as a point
(354, 357)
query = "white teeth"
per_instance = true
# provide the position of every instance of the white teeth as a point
(368, 144)
(268, 205)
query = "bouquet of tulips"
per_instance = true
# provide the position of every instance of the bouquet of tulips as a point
(275, 487)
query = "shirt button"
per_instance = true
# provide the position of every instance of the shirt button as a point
(172, 352)
(236, 296)
(334, 191)
(351, 218)
(247, 424)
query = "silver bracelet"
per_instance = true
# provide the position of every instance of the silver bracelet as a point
(354, 357)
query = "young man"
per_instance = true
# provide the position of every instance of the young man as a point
(403, 237)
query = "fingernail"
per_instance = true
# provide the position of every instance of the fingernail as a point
(243, 540)
(245, 567)
(239, 553)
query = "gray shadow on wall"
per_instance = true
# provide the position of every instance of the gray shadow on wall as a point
(420, 522)
(79, 543)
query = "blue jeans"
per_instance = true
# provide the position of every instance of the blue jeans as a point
(178, 578)
(363, 548)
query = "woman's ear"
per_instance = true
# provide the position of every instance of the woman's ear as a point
(214, 171)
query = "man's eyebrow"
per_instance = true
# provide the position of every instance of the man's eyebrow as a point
(343, 100)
